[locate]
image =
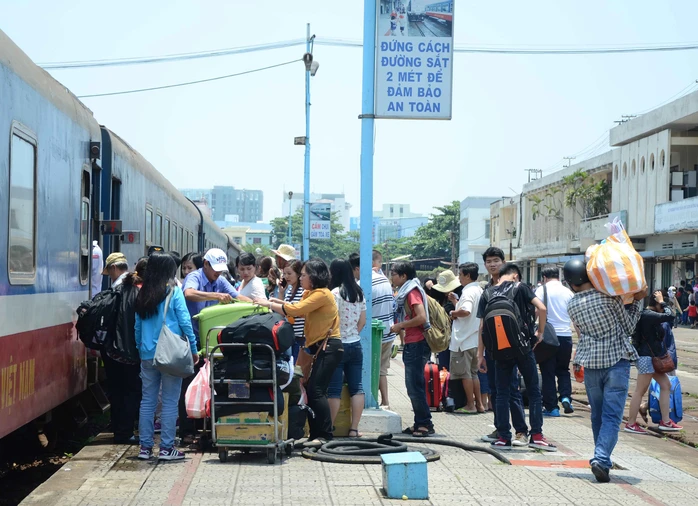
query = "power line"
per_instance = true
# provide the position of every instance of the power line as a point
(474, 49)
(188, 83)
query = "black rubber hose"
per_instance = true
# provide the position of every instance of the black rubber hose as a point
(455, 444)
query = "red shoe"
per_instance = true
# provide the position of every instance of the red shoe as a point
(634, 428)
(539, 442)
(669, 426)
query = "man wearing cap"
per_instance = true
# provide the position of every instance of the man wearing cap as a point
(465, 332)
(202, 288)
(116, 267)
(205, 287)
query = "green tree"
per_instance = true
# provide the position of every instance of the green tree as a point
(433, 240)
(340, 244)
(252, 248)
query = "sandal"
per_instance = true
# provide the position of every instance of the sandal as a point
(408, 430)
(420, 433)
(354, 430)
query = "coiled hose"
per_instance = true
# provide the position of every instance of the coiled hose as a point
(369, 450)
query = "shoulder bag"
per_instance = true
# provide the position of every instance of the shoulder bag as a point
(172, 353)
(663, 364)
(550, 343)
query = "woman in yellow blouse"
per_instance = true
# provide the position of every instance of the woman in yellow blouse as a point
(322, 340)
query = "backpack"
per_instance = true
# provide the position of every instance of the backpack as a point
(260, 328)
(675, 401)
(438, 336)
(503, 327)
(97, 318)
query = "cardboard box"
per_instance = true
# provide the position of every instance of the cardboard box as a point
(253, 428)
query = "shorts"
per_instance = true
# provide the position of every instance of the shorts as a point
(464, 364)
(644, 365)
(386, 352)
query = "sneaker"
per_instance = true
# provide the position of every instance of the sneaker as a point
(634, 428)
(491, 438)
(170, 454)
(600, 473)
(669, 426)
(539, 442)
(520, 439)
(501, 444)
(567, 405)
(145, 453)
(157, 427)
(553, 412)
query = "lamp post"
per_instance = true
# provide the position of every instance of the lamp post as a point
(290, 217)
(311, 67)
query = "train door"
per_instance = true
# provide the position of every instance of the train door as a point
(85, 229)
(115, 211)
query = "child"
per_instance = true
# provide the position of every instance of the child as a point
(692, 312)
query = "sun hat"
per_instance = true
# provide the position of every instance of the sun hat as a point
(285, 251)
(446, 282)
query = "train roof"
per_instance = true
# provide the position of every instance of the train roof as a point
(138, 162)
(12, 57)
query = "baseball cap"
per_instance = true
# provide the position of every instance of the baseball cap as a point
(218, 259)
(114, 259)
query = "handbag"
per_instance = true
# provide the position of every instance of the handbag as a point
(663, 364)
(172, 353)
(550, 343)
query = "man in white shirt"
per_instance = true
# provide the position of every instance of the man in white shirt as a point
(558, 296)
(464, 337)
(97, 266)
(383, 304)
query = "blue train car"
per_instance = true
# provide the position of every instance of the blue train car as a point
(46, 166)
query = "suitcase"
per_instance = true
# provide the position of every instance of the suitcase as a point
(457, 393)
(270, 329)
(432, 379)
(221, 315)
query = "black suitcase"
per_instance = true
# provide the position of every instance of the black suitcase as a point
(267, 328)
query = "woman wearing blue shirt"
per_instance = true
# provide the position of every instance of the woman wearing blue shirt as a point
(158, 284)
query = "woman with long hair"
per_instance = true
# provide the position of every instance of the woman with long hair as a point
(293, 293)
(648, 340)
(322, 338)
(158, 290)
(352, 319)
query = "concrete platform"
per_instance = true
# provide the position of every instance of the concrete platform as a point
(654, 471)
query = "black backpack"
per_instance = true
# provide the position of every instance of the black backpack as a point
(260, 328)
(97, 317)
(503, 330)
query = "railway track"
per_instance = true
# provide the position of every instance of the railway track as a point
(429, 28)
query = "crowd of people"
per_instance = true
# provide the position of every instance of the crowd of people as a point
(327, 308)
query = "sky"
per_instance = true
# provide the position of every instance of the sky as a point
(510, 112)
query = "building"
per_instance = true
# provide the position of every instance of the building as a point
(655, 182)
(505, 223)
(392, 222)
(247, 205)
(393, 211)
(243, 234)
(475, 228)
(338, 204)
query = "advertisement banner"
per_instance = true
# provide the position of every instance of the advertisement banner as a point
(320, 220)
(414, 59)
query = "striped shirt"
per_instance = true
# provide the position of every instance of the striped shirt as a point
(383, 304)
(290, 296)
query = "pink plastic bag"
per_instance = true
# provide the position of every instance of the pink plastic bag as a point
(198, 394)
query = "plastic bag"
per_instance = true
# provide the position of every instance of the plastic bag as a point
(198, 395)
(614, 267)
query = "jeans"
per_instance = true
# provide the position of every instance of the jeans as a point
(171, 386)
(557, 365)
(350, 368)
(444, 359)
(505, 372)
(415, 356)
(607, 390)
(320, 376)
(516, 407)
(124, 393)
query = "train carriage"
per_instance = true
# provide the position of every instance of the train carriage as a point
(45, 178)
(440, 11)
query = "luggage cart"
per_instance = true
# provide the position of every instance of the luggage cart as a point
(273, 446)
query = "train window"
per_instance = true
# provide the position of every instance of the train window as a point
(85, 250)
(166, 235)
(22, 217)
(181, 239)
(148, 226)
(158, 229)
(173, 236)
(191, 241)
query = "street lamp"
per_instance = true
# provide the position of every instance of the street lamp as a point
(290, 217)
(311, 67)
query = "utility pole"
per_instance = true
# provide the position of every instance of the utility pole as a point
(453, 245)
(537, 172)
(569, 160)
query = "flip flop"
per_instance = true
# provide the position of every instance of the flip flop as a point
(464, 411)
(357, 433)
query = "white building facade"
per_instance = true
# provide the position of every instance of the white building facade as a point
(475, 229)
